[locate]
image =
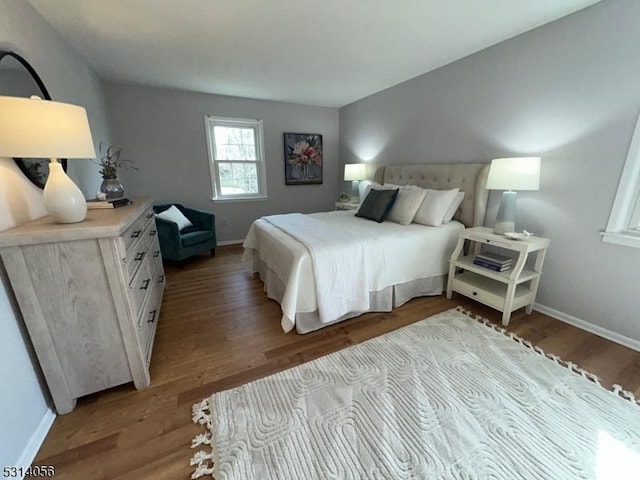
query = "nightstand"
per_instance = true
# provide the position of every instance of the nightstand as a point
(347, 206)
(505, 291)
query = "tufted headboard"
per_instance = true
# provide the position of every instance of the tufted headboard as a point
(470, 178)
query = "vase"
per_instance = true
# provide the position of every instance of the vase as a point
(112, 188)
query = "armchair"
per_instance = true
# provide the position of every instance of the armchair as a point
(178, 244)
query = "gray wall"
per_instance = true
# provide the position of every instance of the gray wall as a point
(568, 92)
(23, 402)
(163, 131)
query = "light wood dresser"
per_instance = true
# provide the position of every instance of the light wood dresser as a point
(90, 294)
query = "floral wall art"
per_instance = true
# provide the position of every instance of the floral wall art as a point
(302, 158)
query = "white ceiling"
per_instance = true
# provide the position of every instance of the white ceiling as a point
(319, 52)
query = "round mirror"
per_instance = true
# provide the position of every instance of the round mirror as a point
(19, 79)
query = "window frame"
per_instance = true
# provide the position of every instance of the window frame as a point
(210, 122)
(626, 206)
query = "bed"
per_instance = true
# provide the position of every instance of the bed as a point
(324, 268)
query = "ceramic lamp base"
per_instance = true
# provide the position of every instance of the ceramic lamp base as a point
(506, 219)
(355, 191)
(62, 198)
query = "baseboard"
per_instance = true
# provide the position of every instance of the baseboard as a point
(230, 242)
(589, 327)
(35, 442)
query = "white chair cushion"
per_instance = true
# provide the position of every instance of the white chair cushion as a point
(173, 214)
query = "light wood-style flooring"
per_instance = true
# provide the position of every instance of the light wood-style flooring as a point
(218, 330)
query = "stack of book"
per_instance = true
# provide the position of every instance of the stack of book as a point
(121, 202)
(493, 261)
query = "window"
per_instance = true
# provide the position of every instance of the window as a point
(624, 223)
(236, 158)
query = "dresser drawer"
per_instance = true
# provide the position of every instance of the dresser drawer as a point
(140, 249)
(135, 231)
(148, 318)
(141, 285)
(142, 282)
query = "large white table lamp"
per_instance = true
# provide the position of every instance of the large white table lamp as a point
(521, 173)
(35, 128)
(354, 172)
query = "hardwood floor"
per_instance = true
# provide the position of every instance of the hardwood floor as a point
(217, 330)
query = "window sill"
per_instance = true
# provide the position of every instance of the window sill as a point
(626, 239)
(239, 199)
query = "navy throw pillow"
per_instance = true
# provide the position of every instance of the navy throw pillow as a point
(377, 204)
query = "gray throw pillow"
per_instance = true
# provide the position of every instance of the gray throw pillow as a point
(377, 204)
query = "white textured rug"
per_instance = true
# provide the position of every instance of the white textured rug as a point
(446, 398)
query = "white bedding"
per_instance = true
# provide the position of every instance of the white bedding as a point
(333, 251)
(395, 254)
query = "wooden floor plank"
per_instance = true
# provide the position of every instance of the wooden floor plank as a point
(218, 330)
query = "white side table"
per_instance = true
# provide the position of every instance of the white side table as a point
(505, 291)
(347, 206)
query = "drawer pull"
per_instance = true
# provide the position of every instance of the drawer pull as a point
(156, 253)
(161, 279)
(139, 256)
(149, 215)
(152, 233)
(152, 316)
(136, 234)
(474, 293)
(145, 284)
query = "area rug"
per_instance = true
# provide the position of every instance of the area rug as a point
(450, 397)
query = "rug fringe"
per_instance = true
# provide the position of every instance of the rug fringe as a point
(615, 389)
(203, 461)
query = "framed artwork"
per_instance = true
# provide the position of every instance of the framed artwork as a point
(302, 158)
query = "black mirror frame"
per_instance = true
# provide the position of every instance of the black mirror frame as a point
(45, 94)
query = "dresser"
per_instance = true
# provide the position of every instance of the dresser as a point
(90, 295)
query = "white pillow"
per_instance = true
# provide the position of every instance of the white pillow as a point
(410, 197)
(172, 214)
(453, 208)
(375, 186)
(363, 189)
(434, 206)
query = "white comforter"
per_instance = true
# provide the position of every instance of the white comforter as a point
(395, 254)
(334, 251)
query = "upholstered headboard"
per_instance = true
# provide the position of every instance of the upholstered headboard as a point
(470, 178)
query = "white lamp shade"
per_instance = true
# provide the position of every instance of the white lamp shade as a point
(355, 171)
(520, 173)
(34, 128)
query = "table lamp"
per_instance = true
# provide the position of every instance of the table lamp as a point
(355, 172)
(35, 128)
(521, 173)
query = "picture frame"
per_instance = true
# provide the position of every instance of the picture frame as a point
(302, 158)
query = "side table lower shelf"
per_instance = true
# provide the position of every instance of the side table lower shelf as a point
(491, 292)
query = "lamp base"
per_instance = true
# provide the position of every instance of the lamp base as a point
(506, 219)
(62, 198)
(355, 191)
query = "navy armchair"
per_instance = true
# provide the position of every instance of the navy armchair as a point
(178, 244)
